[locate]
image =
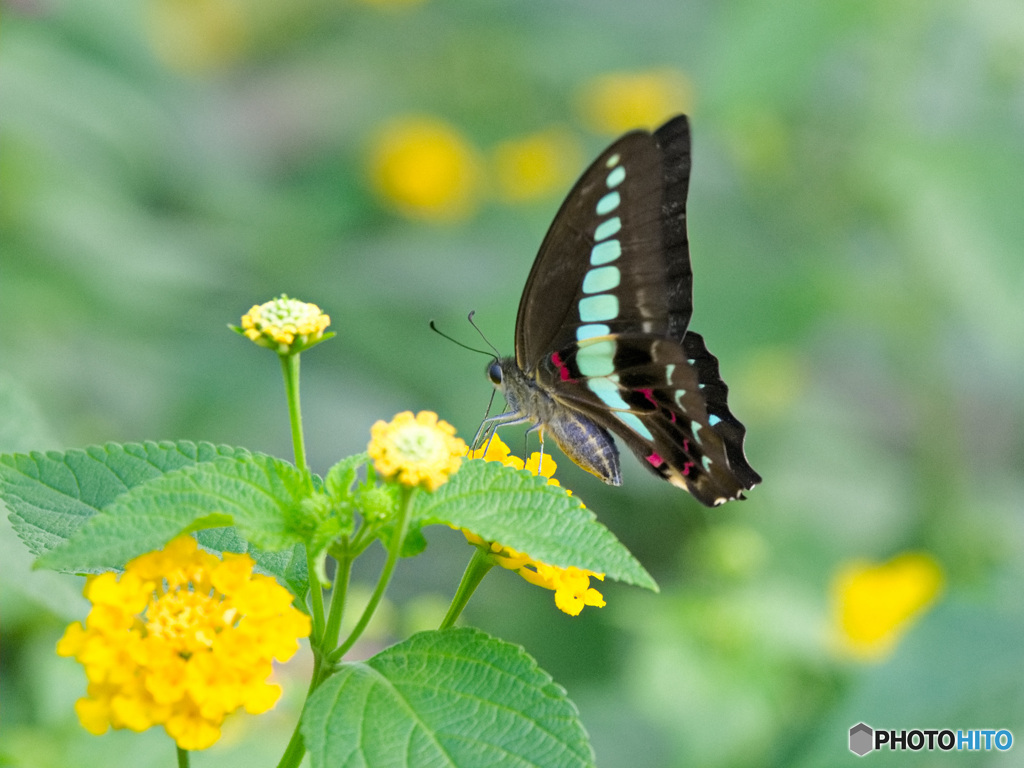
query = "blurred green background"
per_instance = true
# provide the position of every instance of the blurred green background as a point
(857, 236)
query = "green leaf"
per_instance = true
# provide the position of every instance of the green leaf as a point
(523, 512)
(457, 697)
(342, 476)
(255, 493)
(51, 495)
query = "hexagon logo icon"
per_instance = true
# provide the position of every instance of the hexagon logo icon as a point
(861, 739)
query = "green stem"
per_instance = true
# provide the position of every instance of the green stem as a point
(338, 594)
(316, 598)
(182, 758)
(479, 565)
(296, 748)
(290, 369)
(394, 550)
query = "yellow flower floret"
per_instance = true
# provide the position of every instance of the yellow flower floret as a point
(875, 603)
(285, 324)
(416, 449)
(496, 450)
(571, 585)
(181, 639)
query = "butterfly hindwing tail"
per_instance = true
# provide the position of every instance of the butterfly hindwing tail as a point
(715, 391)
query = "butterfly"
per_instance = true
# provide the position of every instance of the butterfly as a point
(601, 340)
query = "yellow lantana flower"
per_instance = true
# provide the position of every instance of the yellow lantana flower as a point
(494, 449)
(285, 325)
(537, 165)
(426, 169)
(621, 101)
(571, 585)
(876, 603)
(181, 639)
(416, 449)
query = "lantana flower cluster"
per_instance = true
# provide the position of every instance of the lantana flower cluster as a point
(285, 325)
(181, 639)
(417, 450)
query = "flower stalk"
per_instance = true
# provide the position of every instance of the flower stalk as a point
(290, 370)
(339, 592)
(394, 551)
(479, 565)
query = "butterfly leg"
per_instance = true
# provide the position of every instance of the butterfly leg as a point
(491, 423)
(539, 429)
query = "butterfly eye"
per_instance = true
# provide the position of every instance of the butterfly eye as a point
(494, 373)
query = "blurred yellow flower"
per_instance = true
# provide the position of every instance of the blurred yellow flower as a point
(571, 585)
(621, 101)
(285, 325)
(537, 165)
(416, 449)
(876, 603)
(195, 36)
(181, 639)
(426, 169)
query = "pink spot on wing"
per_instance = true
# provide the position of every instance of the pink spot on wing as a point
(655, 460)
(649, 394)
(686, 468)
(563, 369)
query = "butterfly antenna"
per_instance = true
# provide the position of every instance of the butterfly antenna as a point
(456, 342)
(486, 340)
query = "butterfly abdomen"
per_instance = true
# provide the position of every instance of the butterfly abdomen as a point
(586, 443)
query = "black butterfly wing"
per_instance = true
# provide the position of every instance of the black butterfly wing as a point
(625, 218)
(666, 401)
(602, 325)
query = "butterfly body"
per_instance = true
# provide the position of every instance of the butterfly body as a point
(580, 438)
(602, 339)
